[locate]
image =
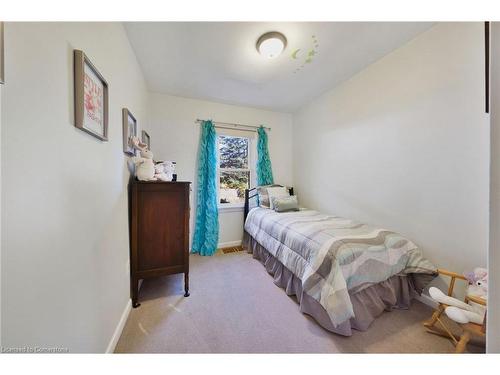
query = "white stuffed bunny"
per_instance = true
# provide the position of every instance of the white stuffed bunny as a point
(144, 166)
(462, 312)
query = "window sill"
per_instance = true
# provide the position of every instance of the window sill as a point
(231, 208)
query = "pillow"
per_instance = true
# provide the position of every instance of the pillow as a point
(263, 196)
(285, 204)
(276, 192)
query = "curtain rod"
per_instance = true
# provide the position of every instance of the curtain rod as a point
(230, 125)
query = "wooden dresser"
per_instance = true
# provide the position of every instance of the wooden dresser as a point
(159, 232)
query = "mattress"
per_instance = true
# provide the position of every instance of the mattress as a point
(334, 263)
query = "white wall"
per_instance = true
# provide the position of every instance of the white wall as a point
(175, 136)
(404, 145)
(493, 329)
(65, 279)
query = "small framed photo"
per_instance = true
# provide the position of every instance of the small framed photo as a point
(2, 72)
(129, 131)
(145, 138)
(91, 98)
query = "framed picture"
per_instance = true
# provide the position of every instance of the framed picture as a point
(146, 139)
(129, 131)
(487, 66)
(91, 98)
(2, 78)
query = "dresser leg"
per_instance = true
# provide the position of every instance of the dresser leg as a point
(186, 284)
(135, 292)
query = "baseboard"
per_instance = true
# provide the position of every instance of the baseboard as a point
(427, 300)
(119, 328)
(222, 245)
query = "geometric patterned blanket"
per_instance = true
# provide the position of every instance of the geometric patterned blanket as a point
(333, 256)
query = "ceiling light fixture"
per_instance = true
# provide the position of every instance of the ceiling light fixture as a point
(271, 44)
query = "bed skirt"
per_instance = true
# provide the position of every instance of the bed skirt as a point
(394, 293)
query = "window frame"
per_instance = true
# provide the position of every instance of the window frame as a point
(250, 169)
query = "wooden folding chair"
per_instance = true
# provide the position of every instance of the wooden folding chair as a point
(468, 329)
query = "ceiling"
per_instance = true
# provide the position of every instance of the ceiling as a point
(218, 61)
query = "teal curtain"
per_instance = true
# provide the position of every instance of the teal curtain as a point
(264, 169)
(206, 231)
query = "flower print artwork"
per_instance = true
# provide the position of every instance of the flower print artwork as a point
(91, 98)
(93, 101)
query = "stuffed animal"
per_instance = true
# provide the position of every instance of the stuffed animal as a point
(144, 166)
(169, 167)
(462, 312)
(478, 282)
(160, 173)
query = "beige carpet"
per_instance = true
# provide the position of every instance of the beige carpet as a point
(234, 307)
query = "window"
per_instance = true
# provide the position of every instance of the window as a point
(235, 172)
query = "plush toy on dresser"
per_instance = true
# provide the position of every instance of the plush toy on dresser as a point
(167, 168)
(160, 173)
(144, 166)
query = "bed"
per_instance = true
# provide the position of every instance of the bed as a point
(343, 273)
